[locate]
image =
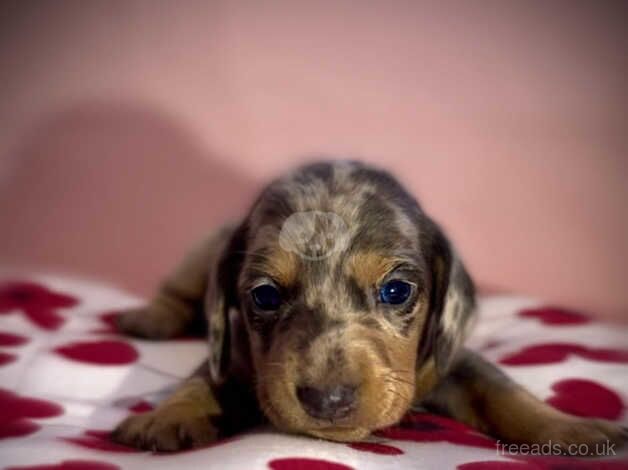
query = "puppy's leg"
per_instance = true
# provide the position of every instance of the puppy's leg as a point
(478, 394)
(179, 301)
(181, 421)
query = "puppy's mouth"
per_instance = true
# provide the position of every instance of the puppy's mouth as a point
(341, 403)
(341, 412)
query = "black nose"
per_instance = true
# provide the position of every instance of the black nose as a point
(329, 403)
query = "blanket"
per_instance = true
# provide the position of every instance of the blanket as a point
(67, 378)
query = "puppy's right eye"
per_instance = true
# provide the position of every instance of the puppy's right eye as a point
(266, 297)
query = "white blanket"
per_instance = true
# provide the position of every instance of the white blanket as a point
(66, 378)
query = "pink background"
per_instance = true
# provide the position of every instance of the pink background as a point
(128, 129)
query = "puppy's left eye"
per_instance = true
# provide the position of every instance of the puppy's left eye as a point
(266, 297)
(395, 292)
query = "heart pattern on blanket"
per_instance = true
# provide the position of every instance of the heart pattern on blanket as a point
(141, 407)
(108, 323)
(306, 464)
(549, 353)
(586, 398)
(376, 448)
(9, 339)
(6, 358)
(38, 303)
(555, 316)
(103, 352)
(70, 465)
(425, 427)
(88, 339)
(17, 411)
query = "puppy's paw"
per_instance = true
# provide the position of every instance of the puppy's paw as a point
(585, 437)
(171, 428)
(148, 322)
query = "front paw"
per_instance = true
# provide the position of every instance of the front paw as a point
(585, 437)
(171, 428)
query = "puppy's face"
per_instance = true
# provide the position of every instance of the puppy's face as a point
(344, 287)
(334, 290)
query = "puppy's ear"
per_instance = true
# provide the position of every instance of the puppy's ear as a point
(451, 304)
(221, 302)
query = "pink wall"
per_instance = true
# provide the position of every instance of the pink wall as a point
(130, 128)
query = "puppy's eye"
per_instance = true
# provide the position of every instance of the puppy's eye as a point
(395, 292)
(266, 297)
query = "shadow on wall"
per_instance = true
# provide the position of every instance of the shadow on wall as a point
(115, 192)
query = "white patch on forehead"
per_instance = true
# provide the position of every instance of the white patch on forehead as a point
(325, 220)
(314, 235)
(307, 196)
(326, 212)
(353, 194)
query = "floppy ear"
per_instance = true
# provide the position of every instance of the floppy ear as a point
(221, 302)
(451, 304)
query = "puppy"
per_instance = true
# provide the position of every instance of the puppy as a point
(331, 309)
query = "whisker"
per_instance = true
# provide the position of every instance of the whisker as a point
(395, 384)
(398, 379)
(400, 395)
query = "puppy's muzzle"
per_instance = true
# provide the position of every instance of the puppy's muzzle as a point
(333, 402)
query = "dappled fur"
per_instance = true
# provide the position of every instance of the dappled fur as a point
(331, 328)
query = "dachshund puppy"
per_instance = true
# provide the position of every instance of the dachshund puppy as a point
(335, 306)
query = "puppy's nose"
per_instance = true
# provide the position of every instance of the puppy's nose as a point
(332, 402)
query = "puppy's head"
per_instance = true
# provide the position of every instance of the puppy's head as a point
(346, 289)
